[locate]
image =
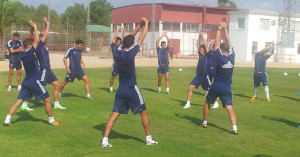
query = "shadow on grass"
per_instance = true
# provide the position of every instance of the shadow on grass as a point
(198, 93)
(150, 90)
(183, 102)
(287, 97)
(105, 89)
(197, 121)
(261, 155)
(243, 96)
(286, 121)
(37, 103)
(115, 135)
(71, 95)
(25, 116)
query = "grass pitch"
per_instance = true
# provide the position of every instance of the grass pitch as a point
(265, 129)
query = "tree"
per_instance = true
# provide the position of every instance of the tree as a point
(75, 15)
(226, 4)
(101, 12)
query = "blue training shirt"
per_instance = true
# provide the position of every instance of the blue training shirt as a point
(225, 66)
(260, 62)
(201, 66)
(29, 62)
(126, 65)
(162, 55)
(75, 59)
(114, 48)
(211, 63)
(14, 57)
(42, 55)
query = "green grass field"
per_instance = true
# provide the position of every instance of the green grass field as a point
(265, 129)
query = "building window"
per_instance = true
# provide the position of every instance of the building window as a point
(191, 27)
(299, 48)
(128, 26)
(241, 23)
(264, 24)
(171, 26)
(156, 26)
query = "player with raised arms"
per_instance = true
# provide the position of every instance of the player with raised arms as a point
(260, 74)
(222, 82)
(128, 95)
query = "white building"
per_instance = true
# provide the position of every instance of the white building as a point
(251, 30)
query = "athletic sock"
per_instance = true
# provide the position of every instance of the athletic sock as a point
(110, 88)
(168, 89)
(234, 127)
(255, 91)
(159, 88)
(7, 119)
(24, 104)
(88, 95)
(148, 138)
(267, 92)
(56, 103)
(188, 102)
(204, 122)
(105, 139)
(51, 119)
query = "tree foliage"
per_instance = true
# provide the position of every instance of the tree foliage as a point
(226, 4)
(100, 12)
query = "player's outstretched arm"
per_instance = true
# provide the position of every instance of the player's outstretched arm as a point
(123, 34)
(36, 35)
(217, 40)
(66, 65)
(144, 31)
(168, 39)
(157, 41)
(224, 27)
(137, 28)
(266, 48)
(82, 63)
(273, 47)
(116, 34)
(204, 42)
(46, 31)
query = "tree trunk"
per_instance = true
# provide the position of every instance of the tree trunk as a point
(2, 45)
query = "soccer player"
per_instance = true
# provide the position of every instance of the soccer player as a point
(163, 61)
(201, 77)
(75, 68)
(114, 47)
(222, 82)
(128, 95)
(31, 86)
(45, 75)
(260, 74)
(14, 47)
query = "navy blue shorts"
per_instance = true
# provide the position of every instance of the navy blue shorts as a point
(163, 69)
(201, 80)
(74, 74)
(46, 76)
(129, 97)
(222, 91)
(114, 69)
(260, 78)
(17, 65)
(32, 87)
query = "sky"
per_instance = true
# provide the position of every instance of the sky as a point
(275, 5)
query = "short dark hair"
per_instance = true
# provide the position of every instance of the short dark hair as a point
(16, 34)
(27, 42)
(79, 41)
(163, 42)
(225, 47)
(202, 46)
(118, 38)
(128, 41)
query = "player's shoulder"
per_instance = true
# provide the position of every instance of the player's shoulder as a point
(135, 47)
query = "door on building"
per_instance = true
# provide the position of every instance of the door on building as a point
(176, 46)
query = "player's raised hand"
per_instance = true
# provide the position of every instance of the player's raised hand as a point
(46, 21)
(119, 27)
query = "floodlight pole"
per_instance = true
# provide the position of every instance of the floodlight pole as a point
(88, 34)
